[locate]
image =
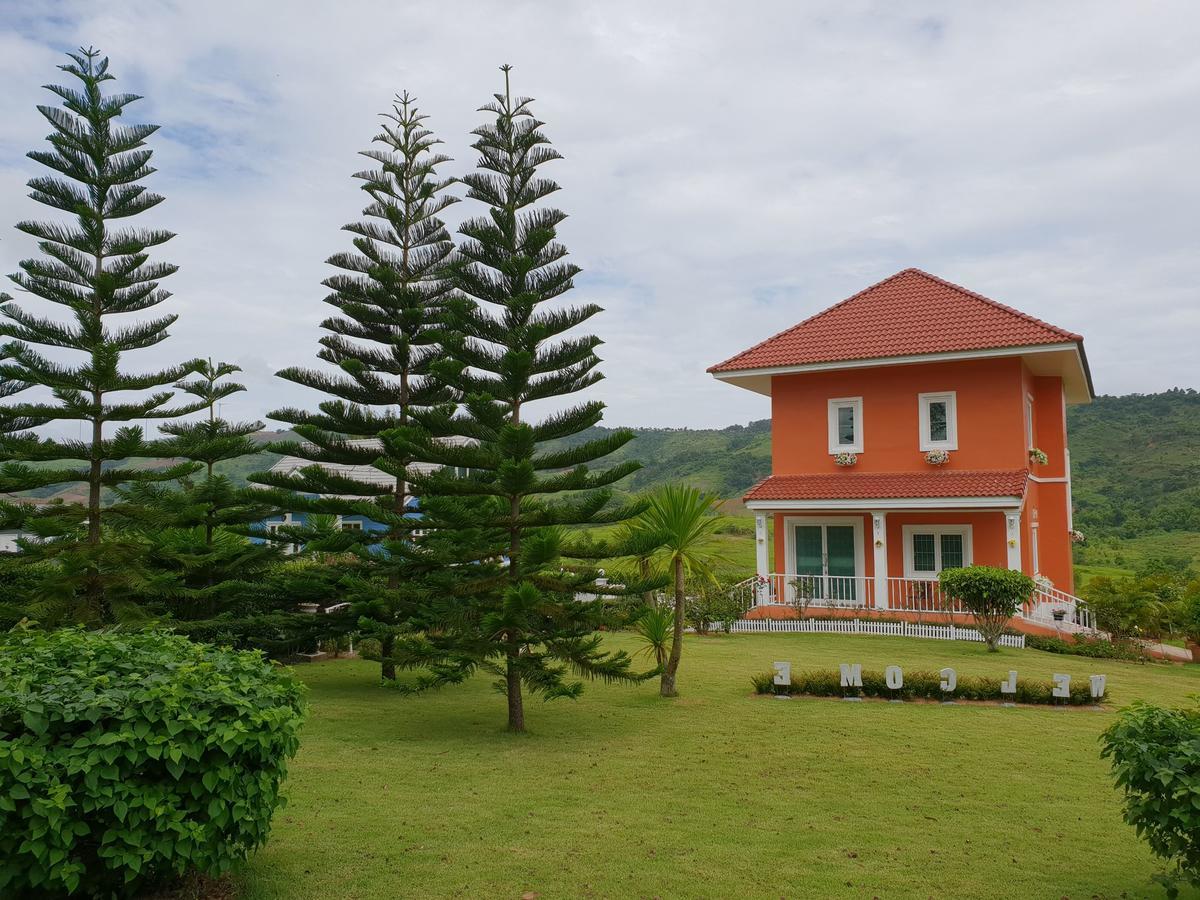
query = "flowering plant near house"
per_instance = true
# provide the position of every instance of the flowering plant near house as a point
(1038, 456)
(937, 457)
(1077, 537)
(845, 459)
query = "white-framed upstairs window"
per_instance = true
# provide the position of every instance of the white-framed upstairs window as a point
(939, 420)
(846, 425)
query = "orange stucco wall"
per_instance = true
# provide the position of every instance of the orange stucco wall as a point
(990, 401)
(990, 415)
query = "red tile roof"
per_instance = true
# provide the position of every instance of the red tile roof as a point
(891, 485)
(910, 313)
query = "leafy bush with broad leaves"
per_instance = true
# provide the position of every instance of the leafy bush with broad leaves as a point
(1155, 754)
(130, 759)
(921, 686)
(991, 595)
(712, 603)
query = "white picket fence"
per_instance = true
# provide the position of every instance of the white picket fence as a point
(866, 626)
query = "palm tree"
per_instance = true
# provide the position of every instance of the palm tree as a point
(654, 626)
(676, 532)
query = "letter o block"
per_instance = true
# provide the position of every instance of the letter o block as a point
(893, 676)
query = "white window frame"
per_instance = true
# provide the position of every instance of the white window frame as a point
(1029, 444)
(937, 531)
(1034, 551)
(950, 398)
(856, 404)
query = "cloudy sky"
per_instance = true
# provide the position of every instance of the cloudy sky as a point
(729, 168)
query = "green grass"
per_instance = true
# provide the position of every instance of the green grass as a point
(716, 794)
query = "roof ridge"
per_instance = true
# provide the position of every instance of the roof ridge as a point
(996, 303)
(814, 316)
(733, 362)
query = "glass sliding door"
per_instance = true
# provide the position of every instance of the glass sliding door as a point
(826, 562)
(810, 562)
(840, 562)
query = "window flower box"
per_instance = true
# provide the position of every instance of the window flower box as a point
(937, 457)
(1038, 456)
(845, 459)
(1077, 537)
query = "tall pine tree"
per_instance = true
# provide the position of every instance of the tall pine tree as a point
(499, 534)
(390, 297)
(97, 273)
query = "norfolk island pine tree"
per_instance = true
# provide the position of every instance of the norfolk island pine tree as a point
(495, 534)
(390, 297)
(94, 270)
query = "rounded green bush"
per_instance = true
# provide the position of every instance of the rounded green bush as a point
(129, 759)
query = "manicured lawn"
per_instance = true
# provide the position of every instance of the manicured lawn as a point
(716, 794)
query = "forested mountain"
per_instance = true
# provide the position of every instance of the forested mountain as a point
(1136, 463)
(1135, 459)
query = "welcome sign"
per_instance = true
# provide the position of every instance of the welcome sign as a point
(851, 677)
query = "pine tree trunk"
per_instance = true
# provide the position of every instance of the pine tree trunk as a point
(667, 682)
(516, 703)
(94, 589)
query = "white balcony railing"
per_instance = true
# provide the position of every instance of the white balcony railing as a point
(808, 594)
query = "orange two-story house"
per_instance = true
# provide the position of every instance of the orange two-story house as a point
(916, 426)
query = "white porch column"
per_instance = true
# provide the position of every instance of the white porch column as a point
(879, 543)
(762, 550)
(1012, 534)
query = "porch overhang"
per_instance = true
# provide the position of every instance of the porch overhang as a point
(954, 489)
(886, 503)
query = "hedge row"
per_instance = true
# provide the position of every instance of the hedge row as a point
(922, 686)
(1094, 649)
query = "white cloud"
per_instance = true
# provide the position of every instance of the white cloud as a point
(729, 169)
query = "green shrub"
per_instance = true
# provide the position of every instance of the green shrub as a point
(920, 685)
(129, 759)
(712, 603)
(1095, 649)
(369, 648)
(1155, 755)
(278, 634)
(991, 595)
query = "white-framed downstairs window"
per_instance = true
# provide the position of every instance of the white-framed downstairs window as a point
(930, 548)
(846, 425)
(939, 420)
